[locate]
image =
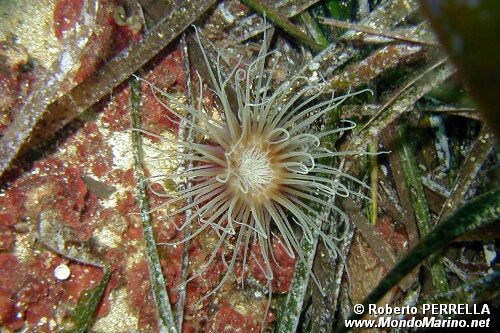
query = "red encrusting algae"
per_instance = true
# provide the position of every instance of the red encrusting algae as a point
(30, 295)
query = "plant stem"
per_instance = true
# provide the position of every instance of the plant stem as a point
(420, 207)
(166, 321)
(284, 24)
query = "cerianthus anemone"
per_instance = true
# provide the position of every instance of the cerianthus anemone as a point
(257, 170)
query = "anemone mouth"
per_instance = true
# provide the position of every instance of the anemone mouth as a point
(253, 170)
(252, 173)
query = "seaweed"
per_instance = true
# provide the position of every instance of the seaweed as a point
(86, 306)
(480, 211)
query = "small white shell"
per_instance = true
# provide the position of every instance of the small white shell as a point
(62, 272)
